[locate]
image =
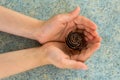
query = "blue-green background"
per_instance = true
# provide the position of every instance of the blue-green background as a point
(103, 65)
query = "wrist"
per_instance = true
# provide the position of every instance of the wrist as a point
(38, 32)
(33, 28)
(41, 55)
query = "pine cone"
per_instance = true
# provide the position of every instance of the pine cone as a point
(76, 40)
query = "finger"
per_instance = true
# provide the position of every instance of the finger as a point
(85, 54)
(93, 32)
(80, 26)
(97, 39)
(72, 64)
(91, 49)
(86, 38)
(88, 35)
(74, 13)
(86, 22)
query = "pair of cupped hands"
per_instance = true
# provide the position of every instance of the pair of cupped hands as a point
(52, 34)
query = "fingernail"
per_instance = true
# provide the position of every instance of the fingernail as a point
(84, 68)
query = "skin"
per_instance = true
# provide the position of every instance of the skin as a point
(51, 33)
(58, 27)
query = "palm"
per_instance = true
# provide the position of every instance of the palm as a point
(79, 55)
(79, 22)
(60, 54)
(92, 46)
(57, 30)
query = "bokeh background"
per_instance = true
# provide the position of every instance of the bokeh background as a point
(103, 65)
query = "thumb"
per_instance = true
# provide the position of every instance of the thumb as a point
(72, 64)
(73, 14)
(69, 16)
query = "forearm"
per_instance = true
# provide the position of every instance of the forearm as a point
(16, 23)
(19, 61)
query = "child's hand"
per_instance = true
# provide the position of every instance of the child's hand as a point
(57, 28)
(58, 54)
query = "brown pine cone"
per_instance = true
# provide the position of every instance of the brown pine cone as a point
(76, 40)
